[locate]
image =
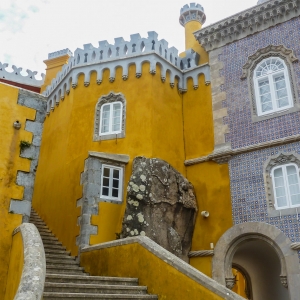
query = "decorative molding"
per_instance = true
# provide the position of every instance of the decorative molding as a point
(274, 161)
(192, 12)
(201, 253)
(226, 152)
(284, 281)
(109, 99)
(247, 22)
(230, 282)
(295, 246)
(262, 53)
(16, 76)
(121, 158)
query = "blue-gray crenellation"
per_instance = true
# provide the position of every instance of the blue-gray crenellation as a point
(59, 53)
(192, 12)
(123, 54)
(16, 76)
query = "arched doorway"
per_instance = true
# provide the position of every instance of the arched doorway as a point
(263, 253)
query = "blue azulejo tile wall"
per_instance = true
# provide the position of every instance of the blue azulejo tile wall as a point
(242, 131)
(248, 196)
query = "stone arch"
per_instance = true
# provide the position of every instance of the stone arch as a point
(236, 236)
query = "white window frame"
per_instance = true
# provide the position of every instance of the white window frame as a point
(270, 77)
(120, 188)
(286, 186)
(110, 131)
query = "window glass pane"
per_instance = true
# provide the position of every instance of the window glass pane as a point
(280, 192)
(115, 193)
(294, 189)
(106, 172)
(105, 181)
(279, 181)
(293, 179)
(116, 183)
(105, 191)
(116, 173)
(281, 201)
(278, 172)
(295, 199)
(291, 170)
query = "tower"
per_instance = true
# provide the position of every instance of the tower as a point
(192, 17)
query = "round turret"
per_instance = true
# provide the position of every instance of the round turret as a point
(192, 12)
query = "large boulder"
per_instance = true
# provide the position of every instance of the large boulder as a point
(161, 204)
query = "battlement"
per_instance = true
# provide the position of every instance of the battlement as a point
(60, 53)
(123, 54)
(192, 12)
(16, 76)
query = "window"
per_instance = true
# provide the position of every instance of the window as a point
(286, 186)
(111, 182)
(111, 118)
(272, 86)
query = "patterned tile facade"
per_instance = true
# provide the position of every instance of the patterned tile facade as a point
(249, 203)
(242, 131)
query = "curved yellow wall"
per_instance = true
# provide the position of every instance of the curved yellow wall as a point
(10, 163)
(153, 129)
(135, 261)
(16, 264)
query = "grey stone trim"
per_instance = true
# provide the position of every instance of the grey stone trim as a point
(91, 181)
(110, 98)
(16, 76)
(224, 154)
(287, 55)
(295, 246)
(218, 96)
(26, 179)
(173, 261)
(32, 282)
(274, 161)
(59, 53)
(247, 22)
(122, 158)
(192, 12)
(230, 240)
(201, 253)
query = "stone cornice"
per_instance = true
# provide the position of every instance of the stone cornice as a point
(223, 155)
(250, 21)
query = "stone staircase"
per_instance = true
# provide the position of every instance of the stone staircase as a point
(66, 280)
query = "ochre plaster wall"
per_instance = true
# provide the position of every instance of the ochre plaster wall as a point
(135, 261)
(10, 163)
(153, 129)
(16, 263)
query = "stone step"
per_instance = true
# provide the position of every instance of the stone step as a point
(54, 247)
(59, 256)
(61, 261)
(50, 237)
(55, 251)
(62, 266)
(49, 242)
(80, 296)
(64, 271)
(83, 279)
(93, 288)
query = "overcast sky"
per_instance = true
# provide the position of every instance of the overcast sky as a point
(30, 29)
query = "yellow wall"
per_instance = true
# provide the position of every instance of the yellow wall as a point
(54, 65)
(153, 129)
(10, 162)
(133, 260)
(16, 264)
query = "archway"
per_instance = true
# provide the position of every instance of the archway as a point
(264, 252)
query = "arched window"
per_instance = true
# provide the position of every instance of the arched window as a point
(111, 118)
(286, 186)
(272, 86)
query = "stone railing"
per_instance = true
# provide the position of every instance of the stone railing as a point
(16, 76)
(124, 54)
(32, 282)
